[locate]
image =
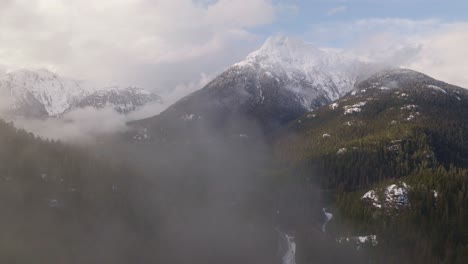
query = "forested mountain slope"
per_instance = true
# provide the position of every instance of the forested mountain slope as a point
(398, 127)
(60, 203)
(272, 86)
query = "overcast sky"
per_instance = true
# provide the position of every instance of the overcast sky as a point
(175, 46)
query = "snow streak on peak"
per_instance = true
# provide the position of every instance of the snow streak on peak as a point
(296, 62)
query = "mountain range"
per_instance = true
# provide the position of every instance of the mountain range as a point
(272, 86)
(350, 128)
(42, 93)
(337, 158)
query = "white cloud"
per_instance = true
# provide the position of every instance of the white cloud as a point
(78, 126)
(443, 54)
(337, 10)
(113, 41)
(430, 46)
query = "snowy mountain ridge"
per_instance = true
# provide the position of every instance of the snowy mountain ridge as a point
(296, 63)
(54, 93)
(274, 85)
(42, 93)
(122, 99)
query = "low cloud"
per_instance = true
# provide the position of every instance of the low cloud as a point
(78, 126)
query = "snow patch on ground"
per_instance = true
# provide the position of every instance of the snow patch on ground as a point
(342, 151)
(435, 87)
(394, 196)
(372, 196)
(334, 106)
(409, 107)
(359, 240)
(356, 108)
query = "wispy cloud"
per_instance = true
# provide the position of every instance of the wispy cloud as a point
(337, 10)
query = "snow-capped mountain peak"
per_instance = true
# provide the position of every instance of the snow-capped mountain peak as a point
(42, 93)
(304, 68)
(285, 50)
(44, 87)
(283, 79)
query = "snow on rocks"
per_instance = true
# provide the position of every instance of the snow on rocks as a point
(409, 107)
(342, 151)
(356, 108)
(142, 135)
(359, 240)
(190, 117)
(372, 196)
(334, 106)
(393, 196)
(394, 148)
(397, 195)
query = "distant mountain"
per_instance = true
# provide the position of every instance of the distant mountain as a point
(272, 86)
(122, 99)
(42, 93)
